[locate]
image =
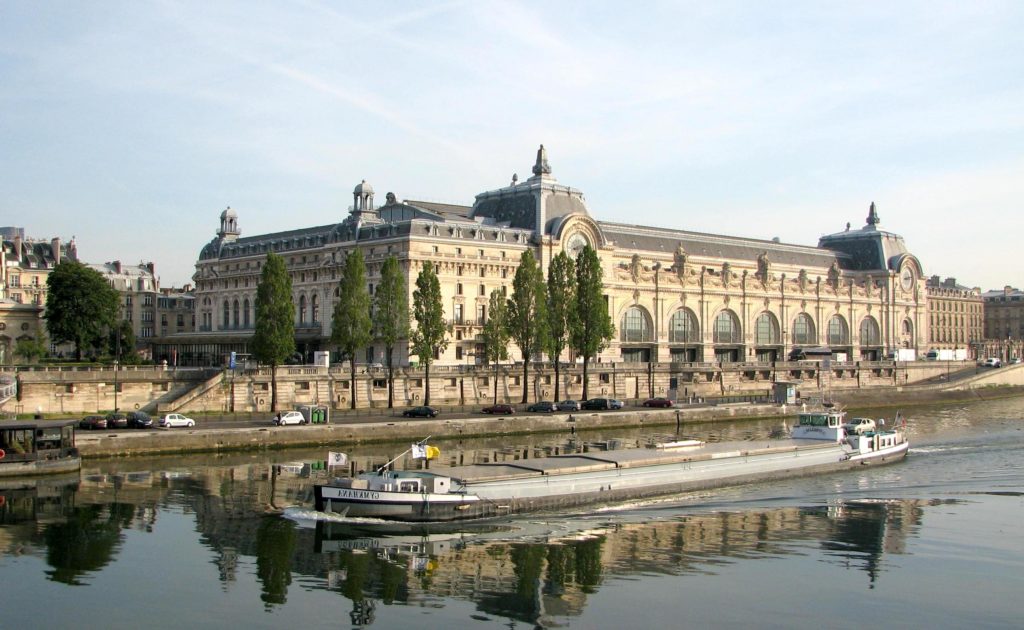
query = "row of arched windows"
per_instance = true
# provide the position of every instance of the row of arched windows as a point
(635, 327)
(235, 314)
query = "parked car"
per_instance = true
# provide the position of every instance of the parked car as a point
(615, 403)
(596, 403)
(93, 422)
(499, 409)
(117, 420)
(544, 406)
(859, 425)
(1014, 360)
(289, 417)
(420, 412)
(569, 405)
(176, 420)
(139, 420)
(992, 362)
(658, 402)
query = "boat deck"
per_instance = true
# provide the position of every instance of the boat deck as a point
(626, 458)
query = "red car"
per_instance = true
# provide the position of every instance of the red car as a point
(499, 409)
(658, 402)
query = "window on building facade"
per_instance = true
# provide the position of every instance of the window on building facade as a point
(235, 314)
(869, 332)
(838, 331)
(314, 306)
(727, 328)
(302, 309)
(227, 314)
(245, 313)
(766, 330)
(683, 328)
(481, 314)
(458, 313)
(635, 326)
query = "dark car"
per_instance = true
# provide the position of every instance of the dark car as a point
(657, 402)
(498, 409)
(597, 403)
(139, 420)
(544, 406)
(117, 420)
(420, 412)
(93, 422)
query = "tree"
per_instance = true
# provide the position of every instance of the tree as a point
(561, 297)
(273, 341)
(121, 343)
(80, 305)
(391, 315)
(431, 333)
(495, 335)
(592, 326)
(352, 328)
(526, 312)
(31, 350)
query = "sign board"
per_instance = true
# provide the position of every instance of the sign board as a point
(231, 361)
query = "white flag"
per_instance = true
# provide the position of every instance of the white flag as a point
(336, 459)
(419, 451)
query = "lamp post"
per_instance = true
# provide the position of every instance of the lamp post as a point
(117, 363)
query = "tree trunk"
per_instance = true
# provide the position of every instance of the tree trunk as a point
(495, 382)
(273, 387)
(426, 383)
(526, 376)
(586, 362)
(391, 377)
(556, 379)
(352, 384)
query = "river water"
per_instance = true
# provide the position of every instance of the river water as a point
(217, 541)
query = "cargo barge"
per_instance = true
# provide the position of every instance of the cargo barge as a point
(817, 444)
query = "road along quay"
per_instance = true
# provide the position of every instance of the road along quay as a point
(353, 430)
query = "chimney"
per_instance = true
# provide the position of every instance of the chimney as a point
(117, 266)
(151, 267)
(17, 248)
(55, 246)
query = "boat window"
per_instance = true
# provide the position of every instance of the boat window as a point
(815, 419)
(409, 486)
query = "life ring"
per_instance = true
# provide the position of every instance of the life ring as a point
(3, 454)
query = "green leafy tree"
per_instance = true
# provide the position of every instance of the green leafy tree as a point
(495, 335)
(80, 306)
(121, 343)
(273, 340)
(431, 333)
(592, 327)
(561, 297)
(31, 350)
(391, 315)
(352, 328)
(527, 308)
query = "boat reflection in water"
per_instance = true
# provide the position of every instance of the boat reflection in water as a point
(539, 571)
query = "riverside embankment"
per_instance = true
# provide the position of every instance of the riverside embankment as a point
(346, 430)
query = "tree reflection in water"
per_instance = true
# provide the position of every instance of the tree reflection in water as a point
(86, 541)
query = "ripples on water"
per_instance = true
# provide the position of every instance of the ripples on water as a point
(931, 542)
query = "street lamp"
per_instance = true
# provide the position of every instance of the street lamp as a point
(117, 362)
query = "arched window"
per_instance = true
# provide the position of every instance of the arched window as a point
(227, 314)
(766, 330)
(245, 313)
(683, 328)
(908, 328)
(727, 328)
(838, 331)
(869, 333)
(302, 309)
(635, 326)
(314, 306)
(803, 330)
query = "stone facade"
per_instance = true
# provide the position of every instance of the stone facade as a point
(674, 295)
(956, 314)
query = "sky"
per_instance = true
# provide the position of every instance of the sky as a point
(131, 125)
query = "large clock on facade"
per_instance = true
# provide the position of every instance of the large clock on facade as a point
(907, 279)
(575, 244)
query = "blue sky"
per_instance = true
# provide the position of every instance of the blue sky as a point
(132, 125)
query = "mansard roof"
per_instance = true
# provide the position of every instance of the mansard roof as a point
(870, 247)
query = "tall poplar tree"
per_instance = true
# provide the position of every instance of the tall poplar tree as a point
(526, 312)
(431, 332)
(273, 340)
(80, 306)
(391, 315)
(351, 327)
(495, 335)
(592, 327)
(561, 298)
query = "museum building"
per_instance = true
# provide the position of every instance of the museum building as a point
(674, 295)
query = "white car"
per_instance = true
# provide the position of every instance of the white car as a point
(992, 362)
(289, 417)
(859, 425)
(176, 420)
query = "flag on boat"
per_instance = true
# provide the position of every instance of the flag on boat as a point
(336, 459)
(425, 451)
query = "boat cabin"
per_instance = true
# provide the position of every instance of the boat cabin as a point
(404, 481)
(38, 440)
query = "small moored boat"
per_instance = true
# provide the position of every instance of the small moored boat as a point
(38, 447)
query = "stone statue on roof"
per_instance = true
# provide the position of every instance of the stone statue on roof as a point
(680, 261)
(542, 166)
(390, 199)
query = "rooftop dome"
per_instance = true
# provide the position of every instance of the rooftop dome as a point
(363, 187)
